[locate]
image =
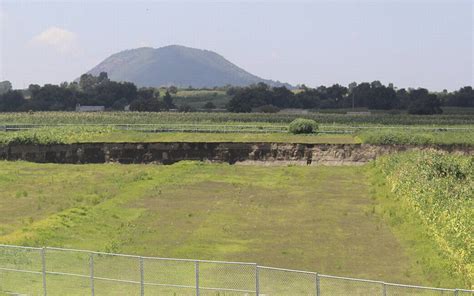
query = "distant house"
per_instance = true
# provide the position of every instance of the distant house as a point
(80, 108)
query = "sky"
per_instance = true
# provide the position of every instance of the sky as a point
(416, 43)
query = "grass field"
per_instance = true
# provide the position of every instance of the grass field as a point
(321, 219)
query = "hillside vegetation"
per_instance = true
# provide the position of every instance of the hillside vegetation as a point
(439, 190)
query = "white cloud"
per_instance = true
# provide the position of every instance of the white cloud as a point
(59, 39)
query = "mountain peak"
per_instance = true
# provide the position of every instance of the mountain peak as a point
(177, 65)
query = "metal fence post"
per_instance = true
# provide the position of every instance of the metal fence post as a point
(43, 270)
(318, 285)
(456, 292)
(384, 289)
(196, 269)
(142, 277)
(91, 270)
(257, 281)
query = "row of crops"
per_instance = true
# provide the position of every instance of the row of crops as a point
(230, 118)
(55, 134)
(440, 189)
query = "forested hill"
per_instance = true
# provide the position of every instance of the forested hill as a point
(176, 65)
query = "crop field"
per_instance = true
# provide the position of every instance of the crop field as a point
(233, 118)
(69, 127)
(325, 219)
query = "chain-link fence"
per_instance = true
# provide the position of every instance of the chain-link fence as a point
(229, 128)
(56, 271)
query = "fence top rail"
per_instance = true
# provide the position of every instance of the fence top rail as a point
(288, 270)
(224, 262)
(91, 252)
(391, 284)
(350, 279)
(424, 287)
(20, 247)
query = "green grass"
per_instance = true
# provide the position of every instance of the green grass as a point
(220, 137)
(323, 219)
(92, 134)
(416, 137)
(439, 191)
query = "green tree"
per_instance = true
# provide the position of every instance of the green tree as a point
(11, 101)
(424, 103)
(168, 101)
(173, 89)
(5, 86)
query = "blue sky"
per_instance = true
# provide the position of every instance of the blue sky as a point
(409, 43)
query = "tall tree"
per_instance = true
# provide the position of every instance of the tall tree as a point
(168, 101)
(11, 101)
(424, 103)
(5, 86)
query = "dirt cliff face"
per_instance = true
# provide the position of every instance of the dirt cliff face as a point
(240, 153)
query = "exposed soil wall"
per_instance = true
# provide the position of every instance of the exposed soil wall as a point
(242, 153)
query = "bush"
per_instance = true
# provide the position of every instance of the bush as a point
(303, 126)
(394, 137)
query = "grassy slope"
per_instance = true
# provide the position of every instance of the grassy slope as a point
(314, 218)
(406, 227)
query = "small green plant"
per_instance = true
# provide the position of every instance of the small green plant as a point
(303, 126)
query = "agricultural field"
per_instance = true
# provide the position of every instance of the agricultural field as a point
(200, 133)
(432, 121)
(69, 127)
(292, 217)
(404, 218)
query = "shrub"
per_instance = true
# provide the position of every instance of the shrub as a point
(303, 126)
(393, 137)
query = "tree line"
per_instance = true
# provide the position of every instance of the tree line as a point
(89, 90)
(373, 95)
(101, 91)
